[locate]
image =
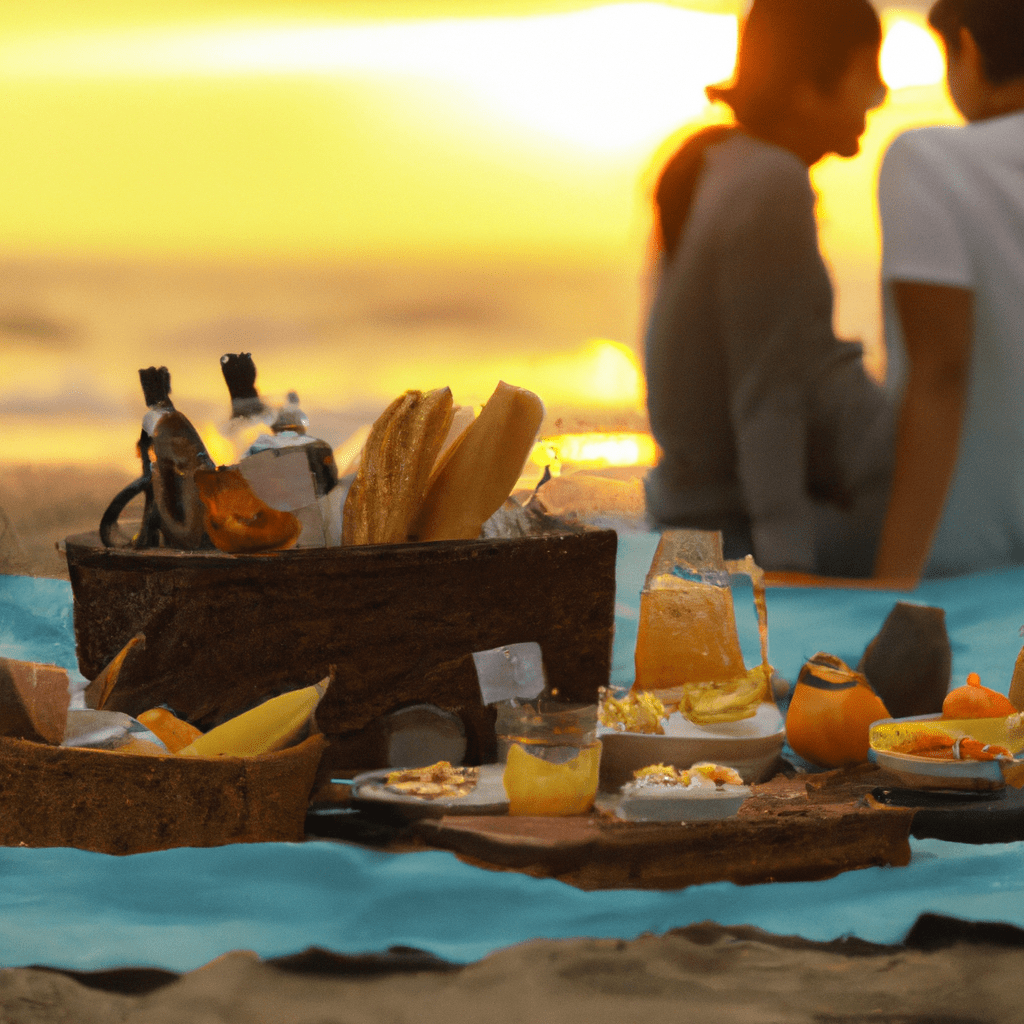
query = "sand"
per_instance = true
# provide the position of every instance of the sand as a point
(701, 973)
(40, 505)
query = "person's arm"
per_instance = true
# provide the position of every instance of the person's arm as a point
(937, 323)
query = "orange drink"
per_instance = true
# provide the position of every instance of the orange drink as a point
(537, 786)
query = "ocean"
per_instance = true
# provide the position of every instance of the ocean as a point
(347, 336)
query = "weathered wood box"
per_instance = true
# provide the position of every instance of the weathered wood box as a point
(132, 803)
(399, 623)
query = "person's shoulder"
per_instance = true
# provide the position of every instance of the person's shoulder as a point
(930, 153)
(931, 144)
(757, 169)
(925, 136)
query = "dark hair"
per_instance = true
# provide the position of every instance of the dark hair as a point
(673, 195)
(997, 27)
(789, 41)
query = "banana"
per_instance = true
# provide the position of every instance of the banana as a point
(272, 725)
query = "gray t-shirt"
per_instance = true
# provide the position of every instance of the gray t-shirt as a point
(770, 427)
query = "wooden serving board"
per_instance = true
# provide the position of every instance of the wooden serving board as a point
(780, 834)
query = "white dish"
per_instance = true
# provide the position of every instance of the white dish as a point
(487, 797)
(751, 746)
(919, 772)
(935, 773)
(679, 803)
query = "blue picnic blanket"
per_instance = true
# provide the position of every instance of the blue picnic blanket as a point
(178, 909)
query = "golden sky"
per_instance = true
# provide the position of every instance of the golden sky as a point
(441, 130)
(252, 128)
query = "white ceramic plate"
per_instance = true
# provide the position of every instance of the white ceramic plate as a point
(935, 773)
(487, 797)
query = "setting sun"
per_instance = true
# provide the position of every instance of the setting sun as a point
(610, 77)
(460, 175)
(278, 135)
(911, 54)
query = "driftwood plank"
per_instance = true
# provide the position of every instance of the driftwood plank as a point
(779, 835)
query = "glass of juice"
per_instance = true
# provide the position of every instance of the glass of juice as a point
(552, 756)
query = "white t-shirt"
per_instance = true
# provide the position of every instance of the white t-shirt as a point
(952, 206)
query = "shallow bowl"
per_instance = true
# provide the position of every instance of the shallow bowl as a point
(751, 746)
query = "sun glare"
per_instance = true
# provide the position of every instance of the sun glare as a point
(610, 77)
(596, 449)
(600, 373)
(911, 55)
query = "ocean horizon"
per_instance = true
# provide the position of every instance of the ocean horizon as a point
(348, 335)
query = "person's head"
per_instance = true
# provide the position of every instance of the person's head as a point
(984, 42)
(809, 66)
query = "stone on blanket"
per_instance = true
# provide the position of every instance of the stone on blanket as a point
(909, 661)
(34, 701)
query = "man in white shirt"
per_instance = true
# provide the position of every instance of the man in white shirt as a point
(952, 207)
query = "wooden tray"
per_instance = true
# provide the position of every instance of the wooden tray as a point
(782, 833)
(133, 803)
(400, 624)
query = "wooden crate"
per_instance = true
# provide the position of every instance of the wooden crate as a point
(398, 622)
(134, 803)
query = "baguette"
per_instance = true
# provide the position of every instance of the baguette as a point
(395, 468)
(480, 469)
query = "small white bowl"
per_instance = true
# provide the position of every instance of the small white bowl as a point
(679, 803)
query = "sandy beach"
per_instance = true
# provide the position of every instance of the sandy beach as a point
(40, 505)
(945, 971)
(942, 975)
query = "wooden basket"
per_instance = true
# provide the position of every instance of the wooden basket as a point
(399, 623)
(133, 803)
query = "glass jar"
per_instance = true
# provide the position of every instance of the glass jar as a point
(552, 756)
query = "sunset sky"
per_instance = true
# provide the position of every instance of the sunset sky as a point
(435, 131)
(323, 129)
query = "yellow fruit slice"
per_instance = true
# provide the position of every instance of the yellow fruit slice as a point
(479, 471)
(174, 733)
(1005, 732)
(273, 725)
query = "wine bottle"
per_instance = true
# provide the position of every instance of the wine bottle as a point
(156, 390)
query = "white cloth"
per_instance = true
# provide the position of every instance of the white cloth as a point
(952, 207)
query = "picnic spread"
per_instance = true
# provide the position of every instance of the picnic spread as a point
(452, 692)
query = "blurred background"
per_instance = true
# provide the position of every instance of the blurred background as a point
(369, 196)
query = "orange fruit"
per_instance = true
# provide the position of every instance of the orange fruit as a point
(972, 700)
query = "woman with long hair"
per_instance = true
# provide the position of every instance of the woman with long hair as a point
(769, 427)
